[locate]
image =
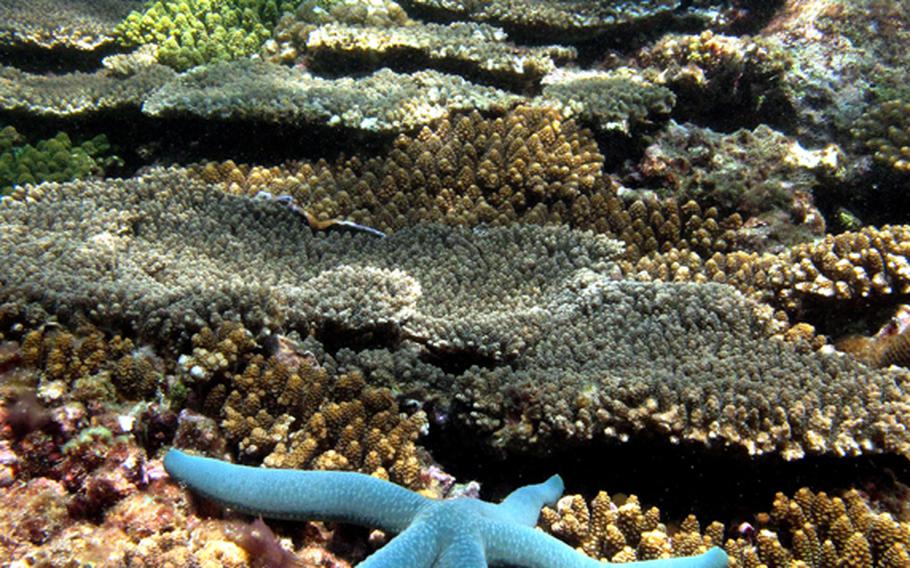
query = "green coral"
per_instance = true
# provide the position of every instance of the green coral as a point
(54, 159)
(193, 32)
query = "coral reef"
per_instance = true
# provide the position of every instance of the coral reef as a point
(721, 75)
(291, 35)
(265, 92)
(852, 267)
(71, 24)
(763, 175)
(814, 529)
(477, 51)
(625, 531)
(846, 54)
(569, 20)
(193, 32)
(555, 341)
(287, 411)
(885, 131)
(619, 101)
(529, 165)
(54, 159)
(77, 93)
(810, 529)
(889, 346)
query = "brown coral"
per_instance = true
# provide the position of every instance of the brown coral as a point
(872, 263)
(812, 530)
(624, 531)
(305, 419)
(885, 130)
(528, 165)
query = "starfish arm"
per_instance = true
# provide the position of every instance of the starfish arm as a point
(298, 495)
(517, 545)
(523, 505)
(416, 547)
(466, 551)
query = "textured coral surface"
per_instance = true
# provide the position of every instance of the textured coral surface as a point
(659, 247)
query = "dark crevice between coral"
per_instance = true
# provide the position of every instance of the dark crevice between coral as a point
(752, 15)
(335, 337)
(776, 113)
(723, 484)
(837, 318)
(875, 197)
(142, 141)
(57, 60)
(457, 362)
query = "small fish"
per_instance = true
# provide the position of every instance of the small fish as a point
(317, 224)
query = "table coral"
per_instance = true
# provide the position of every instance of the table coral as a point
(77, 93)
(461, 532)
(568, 20)
(531, 309)
(71, 24)
(478, 51)
(619, 101)
(260, 91)
(852, 267)
(529, 165)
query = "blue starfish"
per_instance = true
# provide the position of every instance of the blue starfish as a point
(454, 533)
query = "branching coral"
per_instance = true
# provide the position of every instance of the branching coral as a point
(885, 130)
(559, 348)
(193, 32)
(54, 159)
(810, 529)
(287, 411)
(528, 165)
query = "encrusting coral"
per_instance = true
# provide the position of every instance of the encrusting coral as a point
(713, 74)
(603, 357)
